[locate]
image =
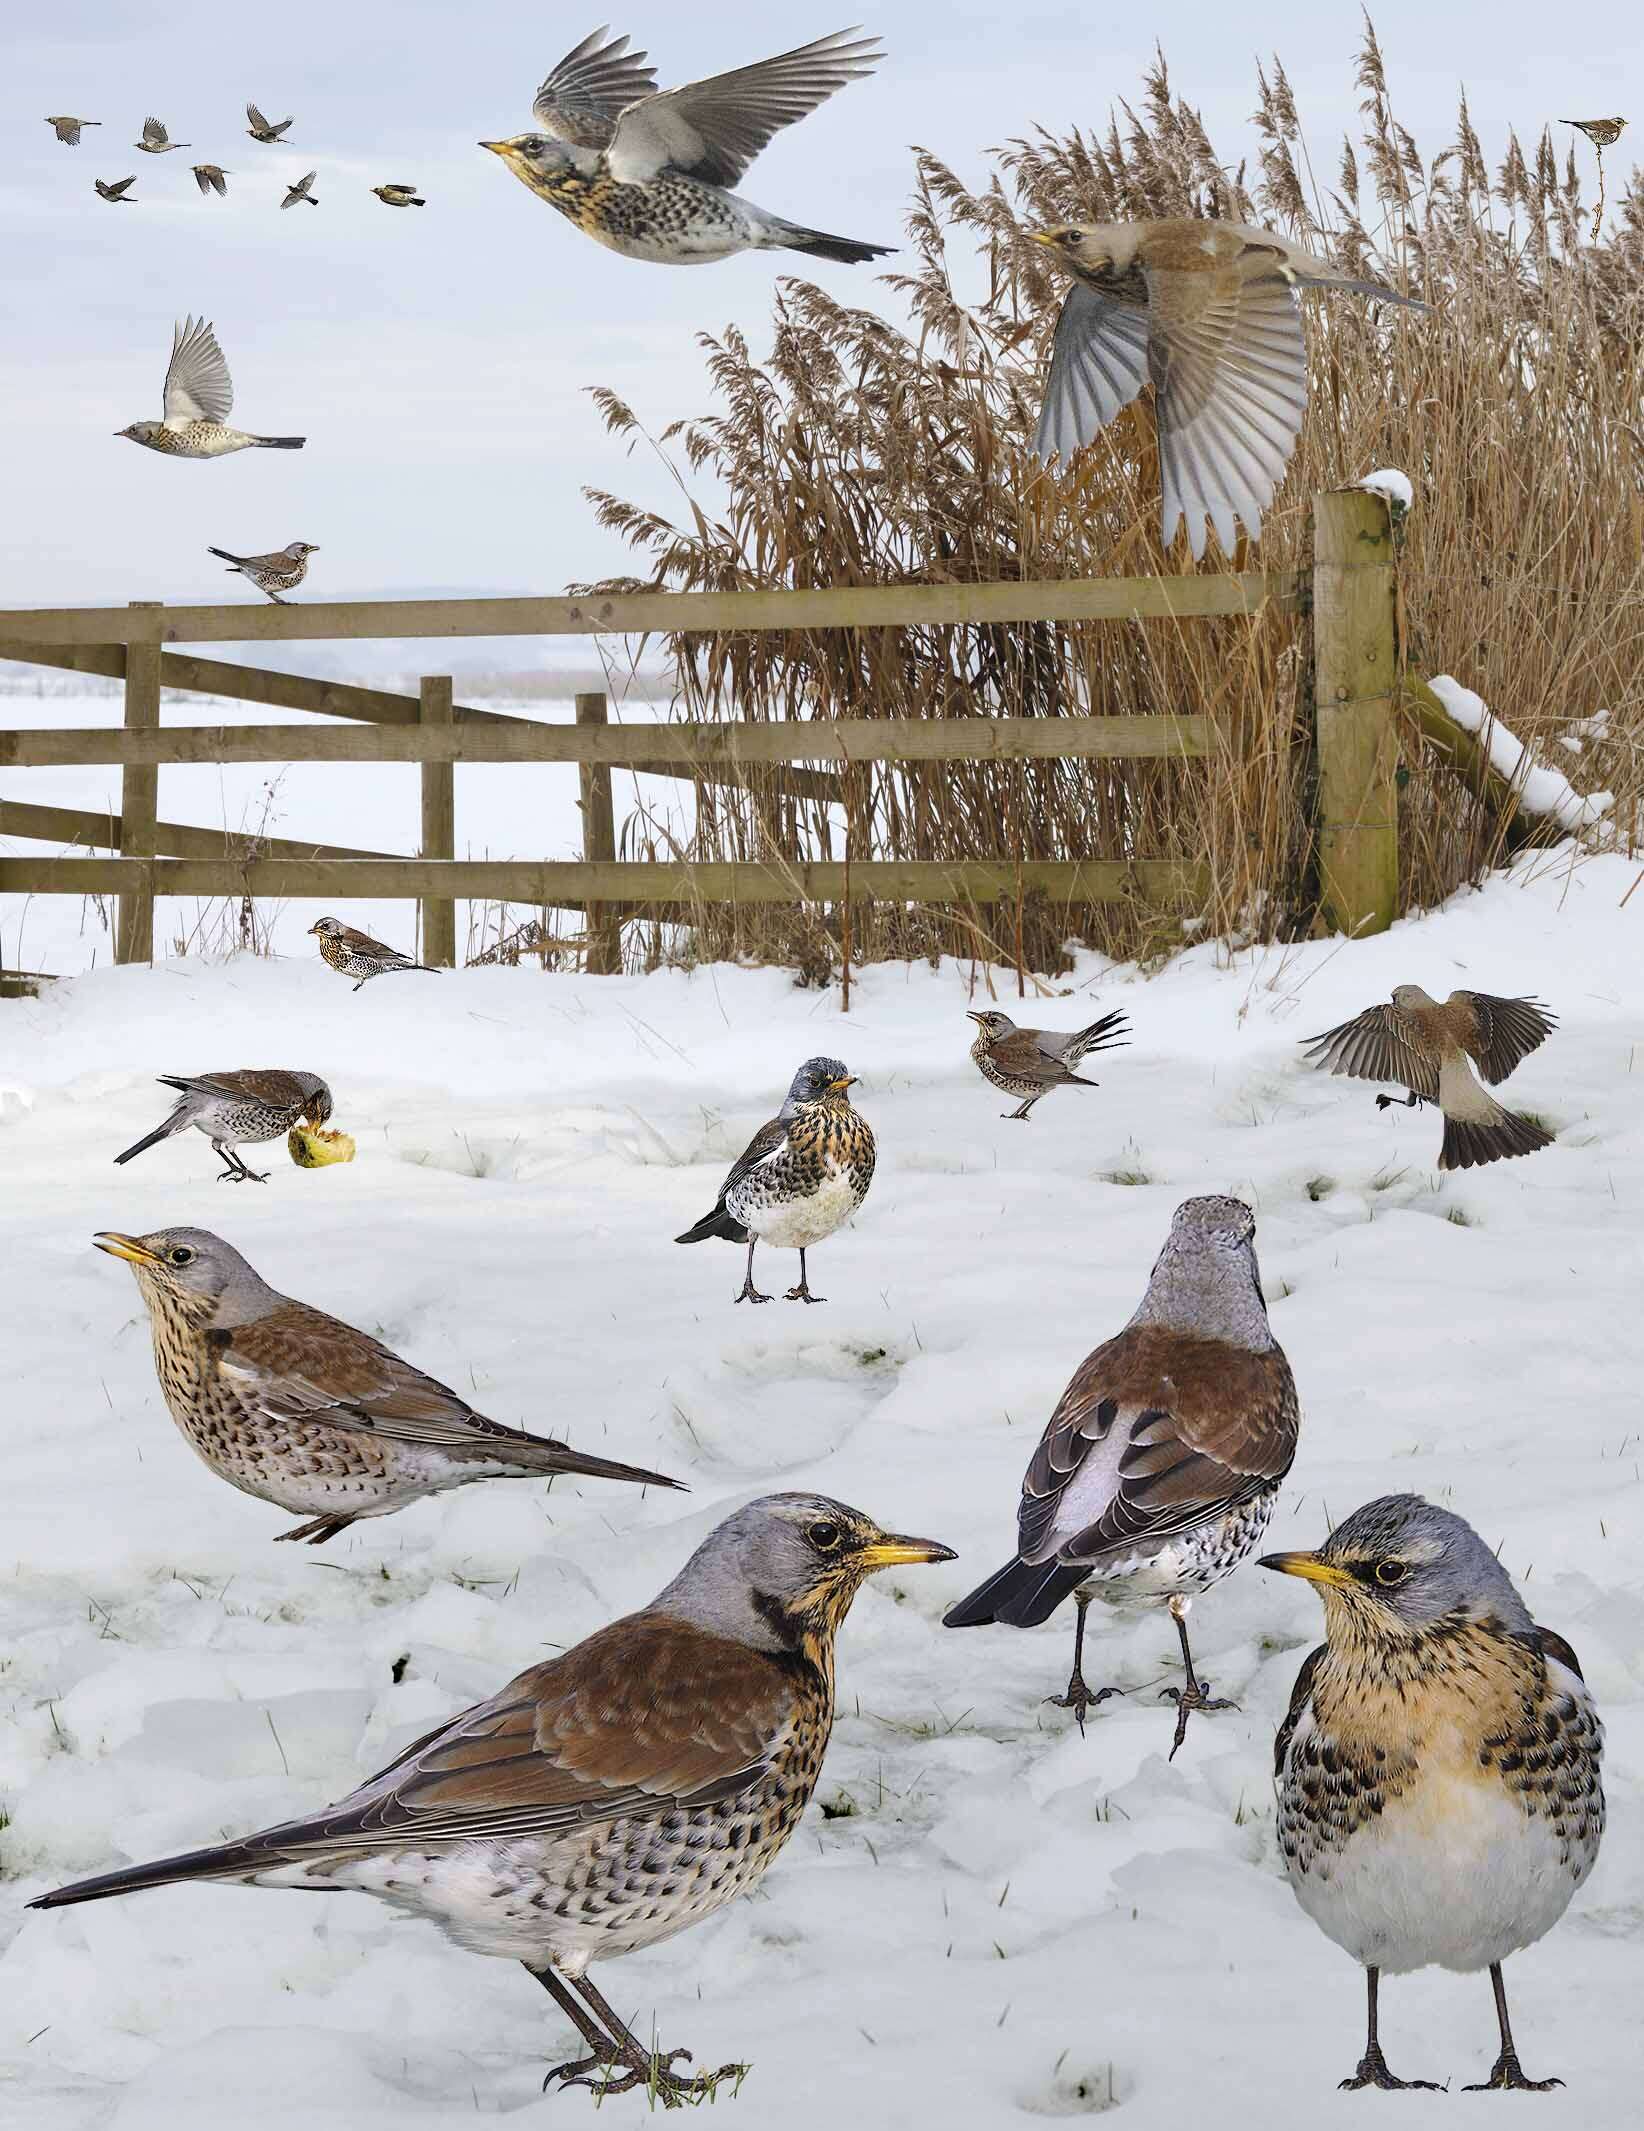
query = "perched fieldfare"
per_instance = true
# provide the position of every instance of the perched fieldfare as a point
(1602, 132)
(399, 196)
(799, 1178)
(610, 1797)
(648, 173)
(116, 191)
(356, 954)
(1030, 1062)
(1424, 1047)
(198, 397)
(282, 571)
(67, 130)
(156, 141)
(299, 1409)
(210, 177)
(240, 1109)
(300, 191)
(1158, 1471)
(1438, 1771)
(259, 128)
(1204, 311)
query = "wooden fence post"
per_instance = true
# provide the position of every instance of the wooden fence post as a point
(1355, 677)
(604, 926)
(139, 798)
(439, 824)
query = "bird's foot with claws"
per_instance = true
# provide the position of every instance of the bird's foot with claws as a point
(802, 1294)
(1079, 1698)
(243, 1176)
(750, 1294)
(1195, 1695)
(1507, 2072)
(618, 2075)
(1373, 2072)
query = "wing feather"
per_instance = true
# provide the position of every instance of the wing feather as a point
(1098, 364)
(1379, 1044)
(198, 387)
(590, 88)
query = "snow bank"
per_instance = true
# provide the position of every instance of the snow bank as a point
(1543, 792)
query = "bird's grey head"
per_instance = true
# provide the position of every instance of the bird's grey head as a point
(1401, 1568)
(996, 1026)
(785, 1569)
(532, 156)
(300, 550)
(318, 1106)
(816, 1078)
(1090, 247)
(140, 432)
(194, 1271)
(1205, 1281)
(327, 928)
(1411, 995)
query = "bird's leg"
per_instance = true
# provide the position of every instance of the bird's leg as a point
(749, 1292)
(267, 594)
(1193, 1695)
(653, 2069)
(1372, 2071)
(1398, 1102)
(1079, 1697)
(237, 1171)
(317, 1530)
(604, 2053)
(802, 1293)
(1021, 1112)
(1507, 2071)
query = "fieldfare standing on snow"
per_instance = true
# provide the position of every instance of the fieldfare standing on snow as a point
(198, 398)
(156, 141)
(67, 130)
(299, 1409)
(399, 196)
(259, 128)
(300, 191)
(1030, 1062)
(1158, 1471)
(210, 177)
(1425, 1046)
(799, 1178)
(356, 954)
(1204, 311)
(1438, 1771)
(282, 571)
(610, 1797)
(239, 1109)
(117, 191)
(648, 173)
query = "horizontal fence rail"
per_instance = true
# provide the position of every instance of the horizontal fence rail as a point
(172, 839)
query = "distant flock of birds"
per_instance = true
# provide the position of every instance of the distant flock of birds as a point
(212, 177)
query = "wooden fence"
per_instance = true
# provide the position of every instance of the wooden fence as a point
(1351, 599)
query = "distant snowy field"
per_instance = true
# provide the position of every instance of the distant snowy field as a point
(994, 1921)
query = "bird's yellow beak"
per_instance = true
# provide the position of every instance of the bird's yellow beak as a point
(891, 1551)
(314, 928)
(503, 148)
(972, 1015)
(838, 1087)
(1310, 1566)
(126, 1247)
(1045, 236)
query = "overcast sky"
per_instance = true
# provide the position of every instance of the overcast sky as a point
(438, 360)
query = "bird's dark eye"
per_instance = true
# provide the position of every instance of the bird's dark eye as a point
(824, 1537)
(1392, 1571)
(182, 1255)
(1074, 239)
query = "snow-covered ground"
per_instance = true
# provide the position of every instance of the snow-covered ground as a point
(987, 1919)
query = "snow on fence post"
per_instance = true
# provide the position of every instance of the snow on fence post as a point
(602, 926)
(439, 823)
(1355, 659)
(139, 796)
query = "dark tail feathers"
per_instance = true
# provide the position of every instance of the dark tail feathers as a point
(1469, 1146)
(227, 1861)
(717, 1223)
(1021, 1594)
(276, 444)
(537, 1453)
(174, 1123)
(234, 560)
(819, 245)
(1110, 1033)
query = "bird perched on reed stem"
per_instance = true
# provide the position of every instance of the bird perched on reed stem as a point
(1158, 1471)
(1602, 132)
(242, 1108)
(608, 1798)
(1438, 1771)
(399, 196)
(799, 1178)
(289, 1404)
(281, 571)
(261, 129)
(210, 177)
(67, 129)
(647, 172)
(1205, 312)
(199, 396)
(1425, 1047)
(117, 192)
(355, 954)
(156, 141)
(1028, 1063)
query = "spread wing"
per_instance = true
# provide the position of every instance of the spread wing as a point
(1379, 1044)
(1505, 1032)
(256, 117)
(1157, 1433)
(1228, 362)
(593, 84)
(198, 388)
(1098, 364)
(1300, 1696)
(119, 189)
(154, 133)
(712, 130)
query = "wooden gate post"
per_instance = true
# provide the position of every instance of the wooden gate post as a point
(1355, 678)
(604, 925)
(439, 824)
(139, 798)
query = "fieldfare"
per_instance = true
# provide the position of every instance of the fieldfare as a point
(356, 954)
(156, 141)
(259, 128)
(799, 1178)
(1425, 1046)
(399, 196)
(198, 397)
(116, 191)
(210, 178)
(67, 130)
(1602, 132)
(1204, 311)
(1030, 1062)
(648, 172)
(282, 571)
(1438, 1771)
(300, 191)
(610, 1797)
(299, 1409)
(1158, 1471)
(239, 1109)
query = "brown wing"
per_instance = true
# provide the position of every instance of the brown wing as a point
(1158, 1432)
(1553, 1645)
(584, 95)
(1379, 1044)
(362, 942)
(765, 1141)
(1023, 1054)
(260, 1083)
(1504, 1032)
(1300, 1695)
